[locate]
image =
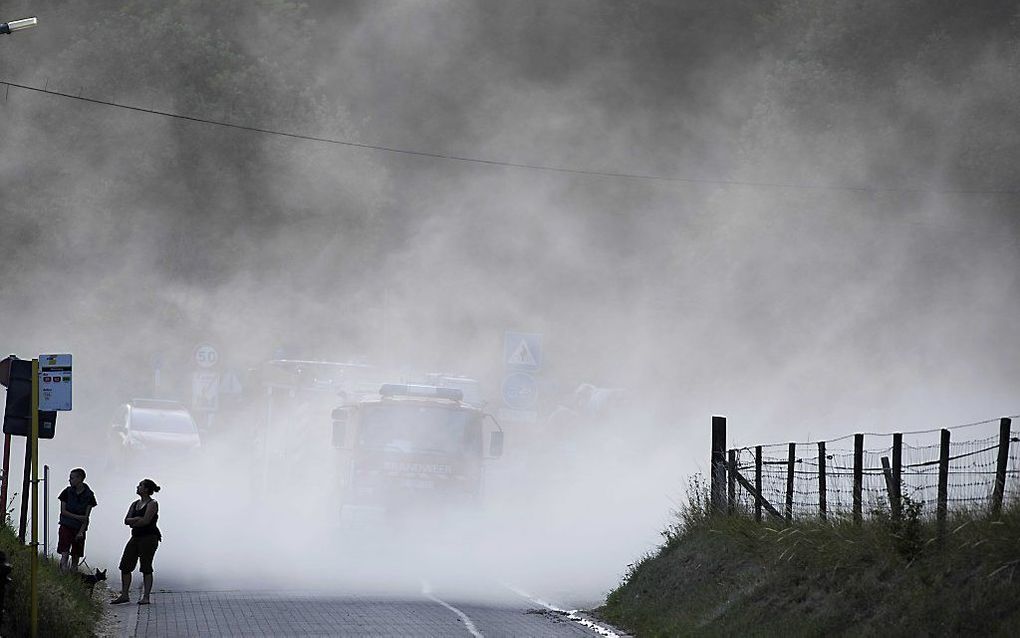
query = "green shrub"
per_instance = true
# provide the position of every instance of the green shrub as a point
(906, 531)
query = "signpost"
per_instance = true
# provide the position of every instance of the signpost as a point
(522, 356)
(51, 390)
(205, 383)
(34, 444)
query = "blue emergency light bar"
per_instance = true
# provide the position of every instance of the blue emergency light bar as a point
(428, 391)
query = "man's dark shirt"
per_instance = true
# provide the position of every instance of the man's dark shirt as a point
(76, 503)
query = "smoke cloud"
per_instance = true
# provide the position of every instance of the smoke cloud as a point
(839, 257)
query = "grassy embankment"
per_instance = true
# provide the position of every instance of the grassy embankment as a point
(718, 575)
(65, 608)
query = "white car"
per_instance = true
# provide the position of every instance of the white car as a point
(147, 431)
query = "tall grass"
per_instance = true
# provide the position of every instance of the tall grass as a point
(719, 574)
(66, 607)
(691, 513)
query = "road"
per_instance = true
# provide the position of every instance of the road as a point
(253, 613)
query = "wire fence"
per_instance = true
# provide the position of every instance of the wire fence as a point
(862, 473)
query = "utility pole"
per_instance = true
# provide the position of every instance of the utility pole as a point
(7, 28)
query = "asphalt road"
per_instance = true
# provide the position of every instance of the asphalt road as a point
(237, 613)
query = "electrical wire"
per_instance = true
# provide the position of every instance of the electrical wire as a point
(519, 165)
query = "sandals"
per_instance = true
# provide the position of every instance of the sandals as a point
(120, 600)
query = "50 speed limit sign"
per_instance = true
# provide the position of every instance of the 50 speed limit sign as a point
(206, 356)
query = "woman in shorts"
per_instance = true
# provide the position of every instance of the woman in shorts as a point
(141, 547)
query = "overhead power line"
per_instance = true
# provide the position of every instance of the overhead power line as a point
(520, 165)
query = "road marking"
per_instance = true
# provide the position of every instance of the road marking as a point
(426, 591)
(570, 615)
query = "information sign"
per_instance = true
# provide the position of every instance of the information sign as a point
(55, 382)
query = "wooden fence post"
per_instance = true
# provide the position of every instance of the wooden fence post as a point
(858, 477)
(943, 493)
(821, 480)
(731, 480)
(757, 482)
(789, 480)
(889, 489)
(1000, 467)
(718, 465)
(896, 504)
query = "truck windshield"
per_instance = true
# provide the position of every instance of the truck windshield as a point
(417, 428)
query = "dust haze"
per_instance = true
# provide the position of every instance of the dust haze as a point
(841, 255)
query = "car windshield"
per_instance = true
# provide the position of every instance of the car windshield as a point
(165, 421)
(408, 427)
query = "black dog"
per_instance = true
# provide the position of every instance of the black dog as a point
(90, 580)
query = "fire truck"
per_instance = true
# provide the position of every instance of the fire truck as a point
(411, 451)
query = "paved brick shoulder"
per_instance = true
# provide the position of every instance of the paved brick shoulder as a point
(194, 614)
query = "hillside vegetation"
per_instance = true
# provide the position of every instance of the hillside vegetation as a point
(720, 575)
(66, 607)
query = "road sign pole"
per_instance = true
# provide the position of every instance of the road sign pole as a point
(34, 584)
(46, 511)
(7, 469)
(265, 438)
(26, 480)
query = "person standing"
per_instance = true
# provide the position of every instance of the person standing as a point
(141, 517)
(76, 503)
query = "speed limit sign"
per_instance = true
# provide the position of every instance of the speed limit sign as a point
(206, 356)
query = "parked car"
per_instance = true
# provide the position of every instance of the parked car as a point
(152, 431)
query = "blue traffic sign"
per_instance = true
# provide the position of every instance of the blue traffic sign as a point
(520, 391)
(522, 351)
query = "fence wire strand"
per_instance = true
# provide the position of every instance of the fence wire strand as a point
(971, 475)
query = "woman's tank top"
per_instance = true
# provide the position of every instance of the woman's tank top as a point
(145, 530)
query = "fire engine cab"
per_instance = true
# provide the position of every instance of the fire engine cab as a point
(411, 450)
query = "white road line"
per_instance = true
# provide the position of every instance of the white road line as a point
(571, 615)
(426, 591)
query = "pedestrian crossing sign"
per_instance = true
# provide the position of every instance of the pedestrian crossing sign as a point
(522, 351)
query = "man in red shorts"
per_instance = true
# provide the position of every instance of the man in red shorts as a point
(76, 503)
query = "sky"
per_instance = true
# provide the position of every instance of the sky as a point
(837, 254)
